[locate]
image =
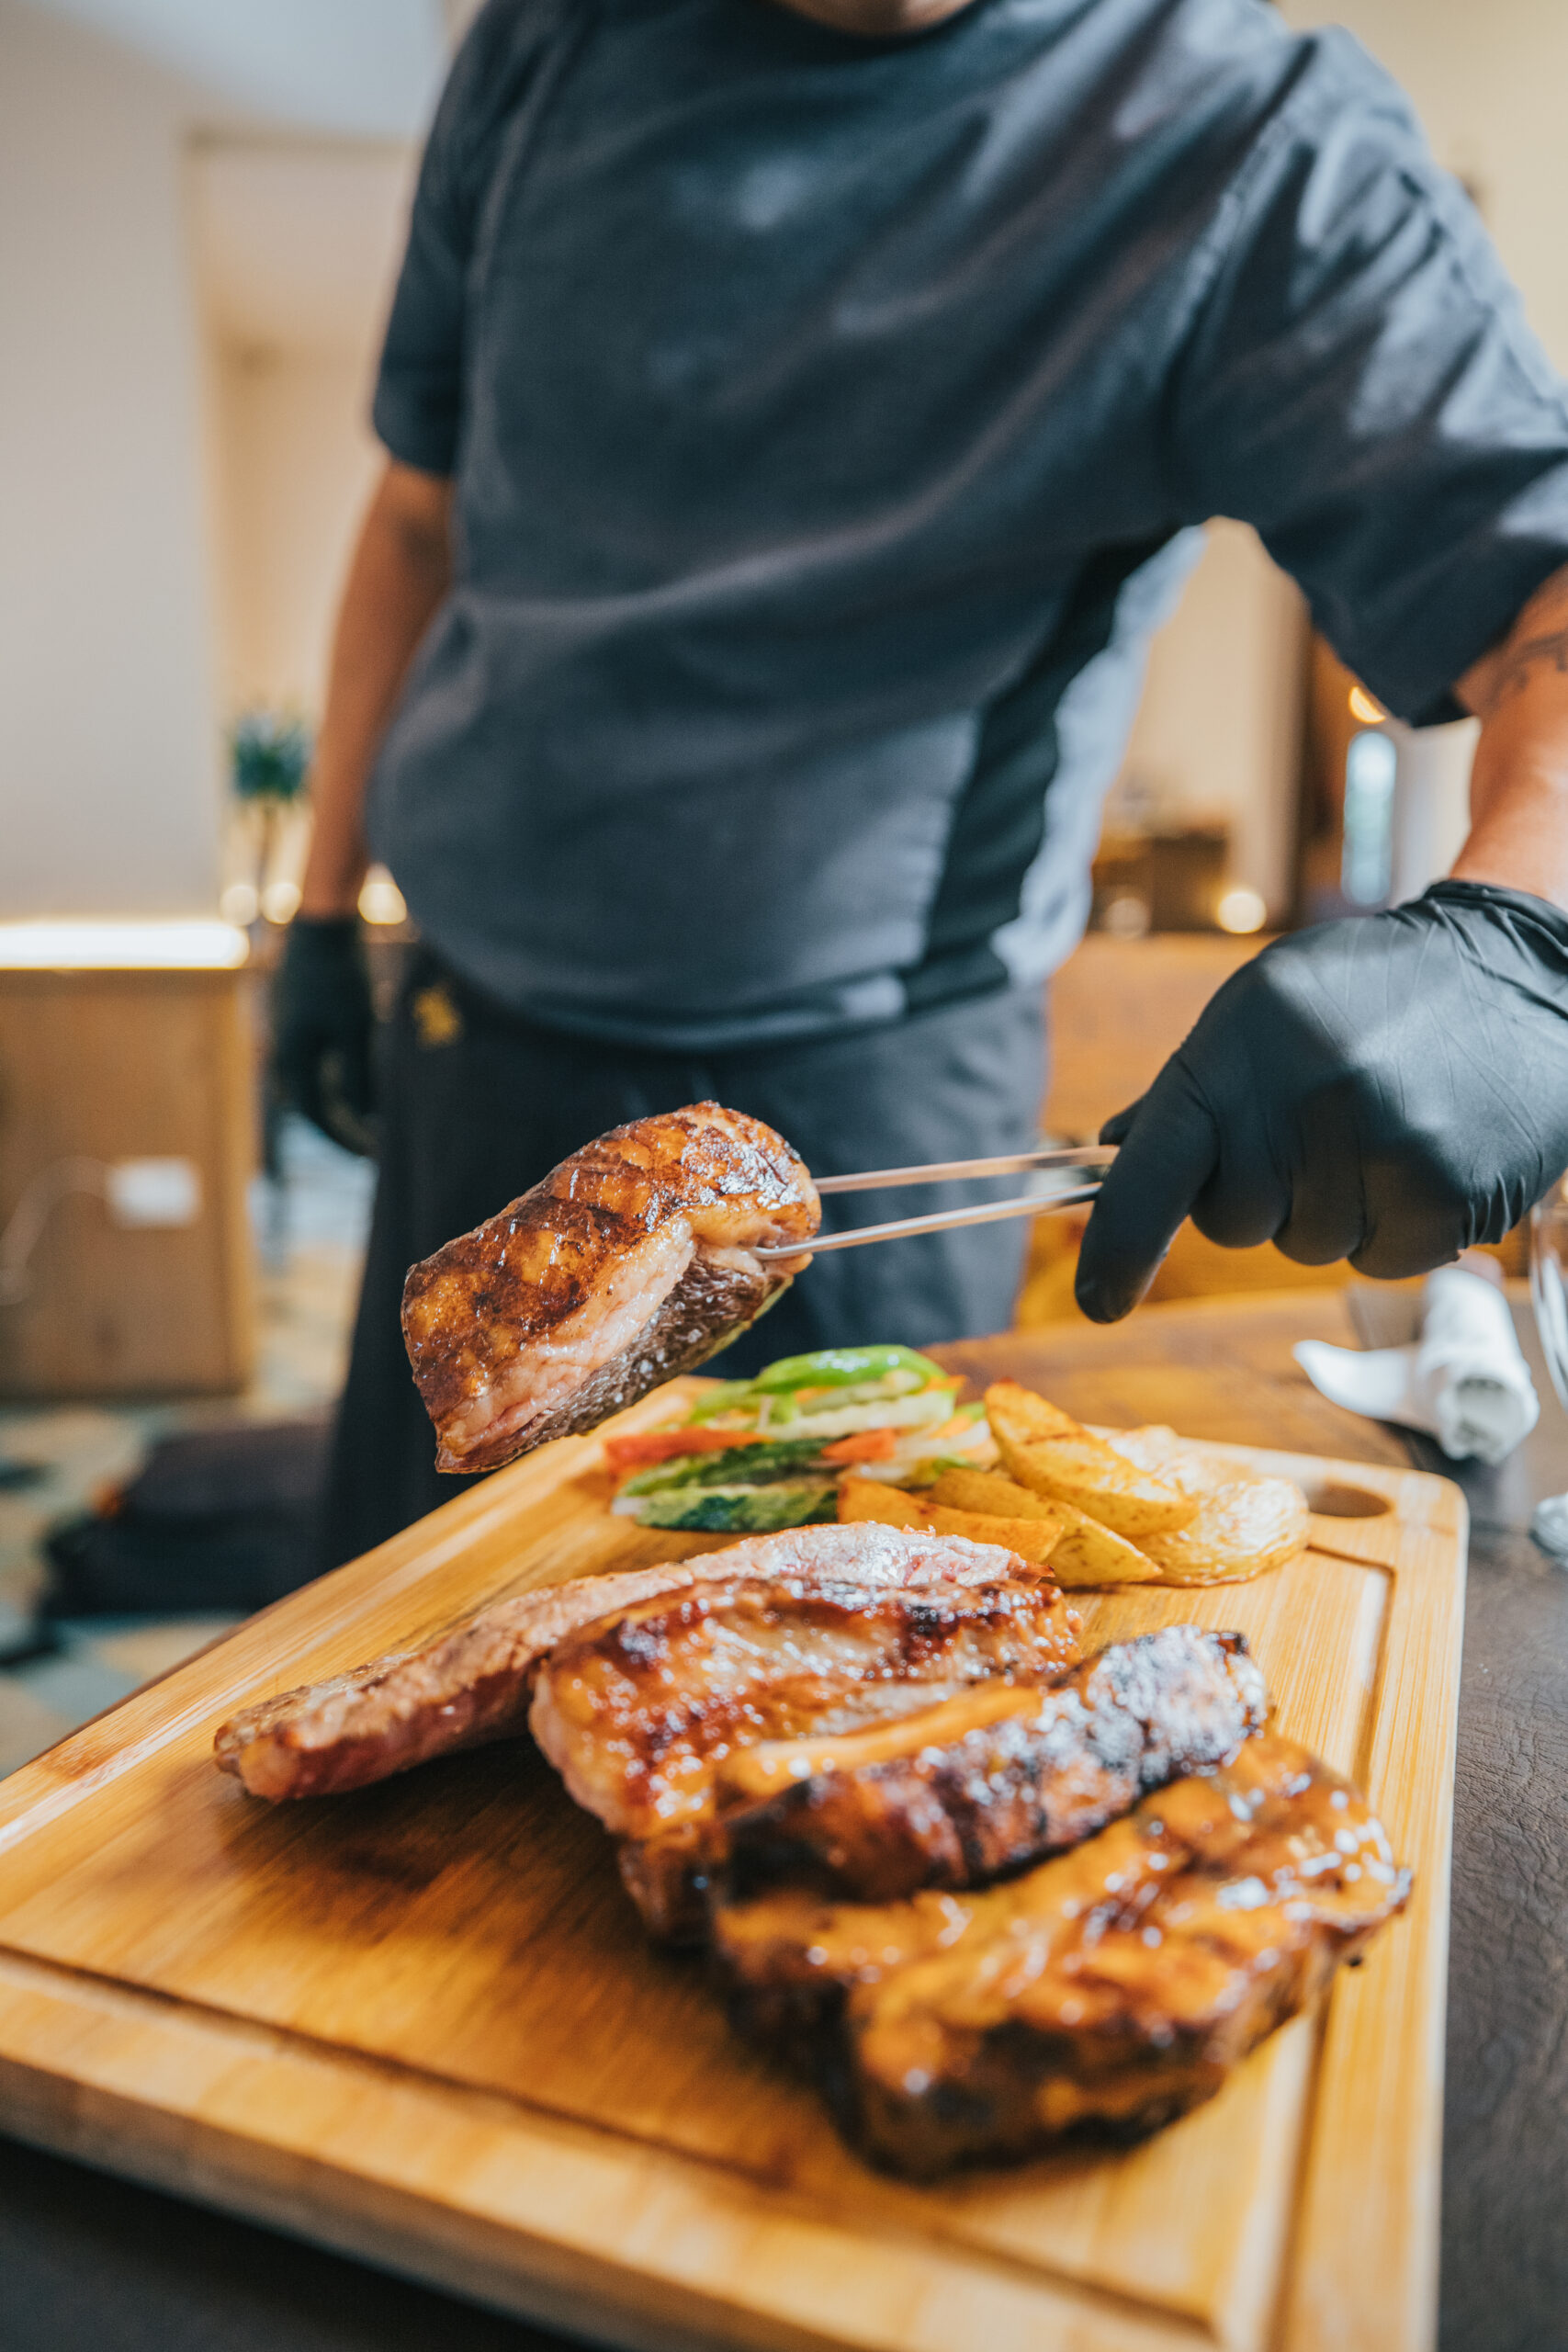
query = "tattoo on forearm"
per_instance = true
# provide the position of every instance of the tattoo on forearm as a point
(1518, 664)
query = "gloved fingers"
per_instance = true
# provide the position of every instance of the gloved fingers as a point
(1328, 1219)
(1118, 1129)
(297, 1068)
(1247, 1199)
(1413, 1223)
(1169, 1145)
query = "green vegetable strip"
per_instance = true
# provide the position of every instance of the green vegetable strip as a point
(752, 1466)
(839, 1367)
(740, 1510)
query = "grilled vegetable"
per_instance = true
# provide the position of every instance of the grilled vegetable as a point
(887, 1411)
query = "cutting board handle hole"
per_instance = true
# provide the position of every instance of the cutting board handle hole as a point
(1331, 1501)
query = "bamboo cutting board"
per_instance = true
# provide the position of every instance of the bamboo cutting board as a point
(420, 2023)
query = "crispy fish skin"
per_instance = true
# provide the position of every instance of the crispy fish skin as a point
(473, 1683)
(992, 1781)
(1114, 1987)
(629, 1263)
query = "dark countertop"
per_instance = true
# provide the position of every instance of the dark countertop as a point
(89, 2263)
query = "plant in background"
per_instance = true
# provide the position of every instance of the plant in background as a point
(269, 758)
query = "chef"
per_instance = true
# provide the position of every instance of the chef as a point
(797, 414)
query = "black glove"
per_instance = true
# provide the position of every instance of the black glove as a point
(1389, 1090)
(322, 1024)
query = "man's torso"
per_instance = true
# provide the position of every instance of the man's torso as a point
(810, 473)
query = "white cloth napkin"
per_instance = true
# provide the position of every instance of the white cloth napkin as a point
(1464, 1381)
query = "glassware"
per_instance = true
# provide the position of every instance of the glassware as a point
(1549, 1296)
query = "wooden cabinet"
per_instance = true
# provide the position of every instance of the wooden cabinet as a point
(99, 1068)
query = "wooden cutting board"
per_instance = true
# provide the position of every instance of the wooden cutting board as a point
(420, 2023)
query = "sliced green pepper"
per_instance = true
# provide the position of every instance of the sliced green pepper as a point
(722, 1399)
(751, 1466)
(842, 1368)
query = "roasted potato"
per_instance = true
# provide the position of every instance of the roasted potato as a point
(863, 1498)
(1157, 1448)
(1056, 1457)
(989, 1491)
(1085, 1552)
(1244, 1524)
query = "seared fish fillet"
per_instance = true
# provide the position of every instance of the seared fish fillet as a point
(639, 1712)
(473, 1683)
(1115, 1987)
(986, 1783)
(631, 1262)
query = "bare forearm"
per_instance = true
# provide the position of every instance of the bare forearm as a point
(1519, 793)
(401, 571)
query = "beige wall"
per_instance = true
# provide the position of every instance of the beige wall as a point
(108, 786)
(1490, 82)
(1215, 731)
(1218, 732)
(295, 461)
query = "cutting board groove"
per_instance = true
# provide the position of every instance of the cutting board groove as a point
(420, 2023)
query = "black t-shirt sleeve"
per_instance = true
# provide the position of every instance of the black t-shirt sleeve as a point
(1361, 385)
(417, 409)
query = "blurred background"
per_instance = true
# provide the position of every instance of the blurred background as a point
(201, 206)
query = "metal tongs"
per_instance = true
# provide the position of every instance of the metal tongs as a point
(1094, 1156)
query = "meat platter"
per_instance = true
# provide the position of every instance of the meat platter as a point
(419, 2024)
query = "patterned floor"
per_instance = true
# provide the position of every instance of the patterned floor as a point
(310, 1236)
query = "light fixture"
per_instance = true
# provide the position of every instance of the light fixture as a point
(110, 946)
(1241, 911)
(1362, 706)
(280, 901)
(380, 900)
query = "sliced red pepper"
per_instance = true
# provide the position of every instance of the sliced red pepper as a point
(865, 1446)
(625, 1453)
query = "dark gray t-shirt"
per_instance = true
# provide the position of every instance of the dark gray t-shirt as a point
(828, 419)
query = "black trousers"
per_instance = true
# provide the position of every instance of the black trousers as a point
(480, 1104)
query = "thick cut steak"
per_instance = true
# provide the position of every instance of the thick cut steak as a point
(990, 1781)
(630, 1262)
(472, 1683)
(640, 1711)
(1114, 1987)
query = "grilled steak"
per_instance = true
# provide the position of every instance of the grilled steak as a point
(629, 1263)
(988, 1781)
(639, 1712)
(1114, 1987)
(473, 1683)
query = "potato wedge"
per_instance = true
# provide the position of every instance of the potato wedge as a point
(1069, 1464)
(1080, 1551)
(862, 1499)
(987, 1490)
(1031, 1418)
(1088, 1553)
(873, 1498)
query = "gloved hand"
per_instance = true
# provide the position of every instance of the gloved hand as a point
(322, 1024)
(1387, 1089)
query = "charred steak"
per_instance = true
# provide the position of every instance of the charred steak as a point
(1115, 1987)
(629, 1263)
(473, 1682)
(988, 1781)
(639, 1712)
